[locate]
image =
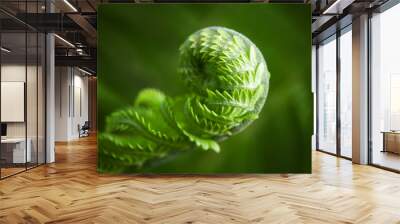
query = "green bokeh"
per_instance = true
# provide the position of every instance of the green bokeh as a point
(138, 48)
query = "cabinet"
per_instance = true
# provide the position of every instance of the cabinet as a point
(391, 142)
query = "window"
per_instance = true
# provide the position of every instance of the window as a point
(327, 95)
(385, 89)
(346, 92)
(22, 77)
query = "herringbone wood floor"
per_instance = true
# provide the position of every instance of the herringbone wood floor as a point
(70, 191)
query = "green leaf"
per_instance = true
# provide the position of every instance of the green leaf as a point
(227, 80)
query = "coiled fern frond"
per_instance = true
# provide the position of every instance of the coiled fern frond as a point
(228, 81)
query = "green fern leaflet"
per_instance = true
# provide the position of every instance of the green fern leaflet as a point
(228, 81)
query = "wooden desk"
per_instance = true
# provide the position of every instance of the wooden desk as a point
(391, 141)
(13, 150)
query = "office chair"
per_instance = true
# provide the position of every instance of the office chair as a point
(84, 130)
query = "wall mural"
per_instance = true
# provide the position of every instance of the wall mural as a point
(200, 106)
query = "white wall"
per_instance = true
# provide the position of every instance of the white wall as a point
(62, 82)
(80, 104)
(71, 102)
(16, 73)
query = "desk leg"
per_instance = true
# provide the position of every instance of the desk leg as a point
(384, 142)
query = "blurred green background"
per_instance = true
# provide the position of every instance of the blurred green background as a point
(138, 48)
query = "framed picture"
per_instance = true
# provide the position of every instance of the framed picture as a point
(204, 88)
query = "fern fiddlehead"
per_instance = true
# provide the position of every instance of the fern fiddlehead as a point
(228, 81)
